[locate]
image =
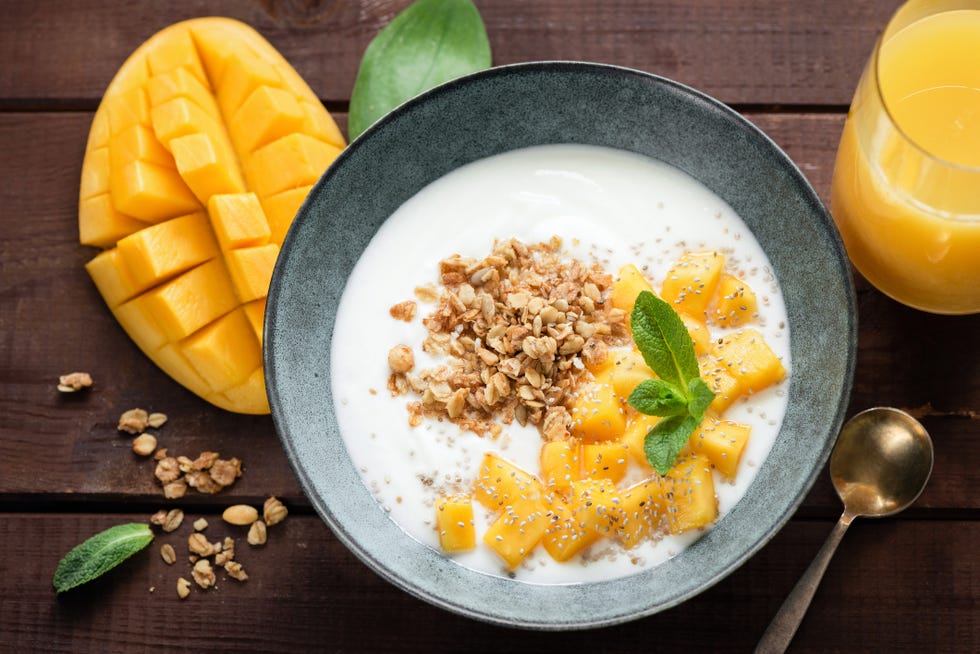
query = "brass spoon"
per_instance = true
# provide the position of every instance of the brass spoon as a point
(879, 466)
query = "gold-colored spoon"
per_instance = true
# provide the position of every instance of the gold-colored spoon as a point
(879, 466)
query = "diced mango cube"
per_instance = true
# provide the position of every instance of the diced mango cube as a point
(319, 124)
(151, 193)
(127, 108)
(722, 442)
(605, 461)
(627, 285)
(642, 507)
(690, 499)
(699, 333)
(748, 358)
(500, 482)
(181, 83)
(238, 220)
(250, 397)
(454, 522)
(251, 270)
(280, 210)
(98, 136)
(95, 173)
(690, 283)
(560, 464)
(207, 167)
(111, 277)
(721, 382)
(628, 370)
(566, 535)
(734, 304)
(597, 413)
(517, 530)
(180, 117)
(137, 143)
(267, 115)
(100, 224)
(225, 352)
(635, 436)
(177, 51)
(139, 323)
(188, 302)
(243, 72)
(596, 504)
(255, 311)
(168, 248)
(292, 161)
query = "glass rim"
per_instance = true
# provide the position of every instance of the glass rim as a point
(891, 118)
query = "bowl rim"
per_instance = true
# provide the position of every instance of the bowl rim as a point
(839, 409)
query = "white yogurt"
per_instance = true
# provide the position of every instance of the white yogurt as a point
(607, 205)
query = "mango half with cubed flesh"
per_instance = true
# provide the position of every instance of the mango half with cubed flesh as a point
(202, 150)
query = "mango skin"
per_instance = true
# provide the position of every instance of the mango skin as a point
(204, 115)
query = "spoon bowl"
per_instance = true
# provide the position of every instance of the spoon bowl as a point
(879, 466)
(881, 462)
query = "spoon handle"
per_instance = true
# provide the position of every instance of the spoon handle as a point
(783, 627)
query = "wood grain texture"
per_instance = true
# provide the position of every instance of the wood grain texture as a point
(307, 592)
(759, 52)
(52, 321)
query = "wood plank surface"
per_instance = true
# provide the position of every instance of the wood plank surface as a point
(758, 52)
(306, 588)
(84, 457)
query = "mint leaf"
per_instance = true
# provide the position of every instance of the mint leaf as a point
(655, 397)
(666, 440)
(430, 42)
(663, 340)
(699, 396)
(99, 554)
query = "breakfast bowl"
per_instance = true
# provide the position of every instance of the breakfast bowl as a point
(495, 113)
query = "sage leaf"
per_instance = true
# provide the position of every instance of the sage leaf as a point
(663, 340)
(99, 554)
(666, 440)
(655, 397)
(430, 42)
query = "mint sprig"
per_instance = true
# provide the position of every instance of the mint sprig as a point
(99, 554)
(680, 396)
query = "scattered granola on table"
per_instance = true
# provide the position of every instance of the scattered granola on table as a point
(74, 382)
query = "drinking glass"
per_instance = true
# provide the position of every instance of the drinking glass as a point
(906, 187)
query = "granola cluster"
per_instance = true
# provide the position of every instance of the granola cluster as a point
(208, 473)
(518, 328)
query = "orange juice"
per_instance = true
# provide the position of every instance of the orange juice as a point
(906, 186)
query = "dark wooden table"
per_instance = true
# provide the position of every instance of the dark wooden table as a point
(908, 584)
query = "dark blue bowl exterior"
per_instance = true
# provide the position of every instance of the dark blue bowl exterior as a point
(540, 103)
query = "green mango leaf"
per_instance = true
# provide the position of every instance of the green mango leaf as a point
(430, 42)
(99, 554)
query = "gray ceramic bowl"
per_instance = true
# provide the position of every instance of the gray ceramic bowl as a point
(531, 104)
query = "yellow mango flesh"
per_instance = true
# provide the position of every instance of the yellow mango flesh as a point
(204, 146)
(608, 460)
(747, 357)
(635, 436)
(560, 464)
(597, 414)
(691, 282)
(628, 370)
(500, 482)
(454, 522)
(629, 282)
(690, 501)
(566, 534)
(721, 442)
(517, 530)
(642, 509)
(734, 304)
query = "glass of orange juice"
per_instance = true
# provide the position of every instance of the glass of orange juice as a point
(906, 186)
